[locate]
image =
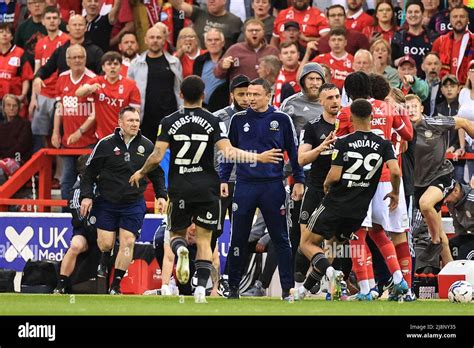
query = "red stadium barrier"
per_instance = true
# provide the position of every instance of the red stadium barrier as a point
(40, 163)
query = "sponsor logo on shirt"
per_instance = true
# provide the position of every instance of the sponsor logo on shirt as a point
(246, 127)
(14, 61)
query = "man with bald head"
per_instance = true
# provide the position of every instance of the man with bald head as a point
(158, 76)
(77, 30)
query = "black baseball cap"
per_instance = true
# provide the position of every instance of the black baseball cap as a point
(292, 24)
(239, 81)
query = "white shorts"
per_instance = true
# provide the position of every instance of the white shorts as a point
(378, 213)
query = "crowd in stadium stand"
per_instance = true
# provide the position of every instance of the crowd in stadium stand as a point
(67, 68)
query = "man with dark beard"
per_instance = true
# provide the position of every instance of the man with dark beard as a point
(238, 95)
(455, 48)
(242, 57)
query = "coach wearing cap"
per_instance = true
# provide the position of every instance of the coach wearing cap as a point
(409, 82)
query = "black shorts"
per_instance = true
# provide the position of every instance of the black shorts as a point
(327, 224)
(204, 214)
(90, 234)
(444, 183)
(311, 200)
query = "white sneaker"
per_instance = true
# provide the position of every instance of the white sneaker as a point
(182, 268)
(324, 287)
(151, 292)
(299, 293)
(200, 295)
(165, 290)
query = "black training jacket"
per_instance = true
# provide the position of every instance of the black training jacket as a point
(111, 164)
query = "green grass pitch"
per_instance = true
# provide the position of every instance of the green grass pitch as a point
(26, 304)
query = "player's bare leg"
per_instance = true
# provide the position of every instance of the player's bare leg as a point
(428, 200)
(124, 257)
(78, 246)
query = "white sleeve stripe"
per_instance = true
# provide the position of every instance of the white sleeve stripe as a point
(95, 148)
(403, 125)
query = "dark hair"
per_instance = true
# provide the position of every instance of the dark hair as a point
(338, 32)
(192, 88)
(357, 85)
(361, 108)
(127, 33)
(394, 16)
(7, 26)
(81, 164)
(335, 6)
(415, 2)
(51, 9)
(127, 109)
(111, 56)
(262, 82)
(380, 86)
(327, 87)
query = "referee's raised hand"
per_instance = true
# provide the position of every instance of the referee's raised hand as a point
(135, 178)
(270, 156)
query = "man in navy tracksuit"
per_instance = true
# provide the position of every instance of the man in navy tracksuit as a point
(257, 129)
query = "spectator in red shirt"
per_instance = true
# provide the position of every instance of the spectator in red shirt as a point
(15, 69)
(128, 47)
(75, 115)
(355, 39)
(42, 105)
(188, 49)
(123, 24)
(313, 23)
(111, 93)
(242, 58)
(385, 23)
(287, 76)
(357, 19)
(456, 48)
(338, 60)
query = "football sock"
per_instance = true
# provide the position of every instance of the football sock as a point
(176, 243)
(364, 286)
(387, 250)
(105, 259)
(118, 275)
(203, 271)
(405, 261)
(320, 263)
(312, 279)
(301, 266)
(370, 268)
(358, 255)
(63, 281)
